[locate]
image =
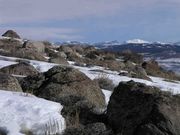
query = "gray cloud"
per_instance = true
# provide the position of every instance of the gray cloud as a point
(18, 12)
(43, 33)
(41, 10)
(37, 10)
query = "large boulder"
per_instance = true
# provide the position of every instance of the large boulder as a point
(59, 60)
(29, 54)
(79, 111)
(154, 69)
(136, 71)
(91, 129)
(13, 48)
(139, 72)
(32, 83)
(65, 49)
(132, 56)
(137, 109)
(9, 46)
(71, 54)
(11, 34)
(36, 45)
(9, 83)
(22, 68)
(63, 81)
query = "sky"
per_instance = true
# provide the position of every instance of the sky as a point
(92, 20)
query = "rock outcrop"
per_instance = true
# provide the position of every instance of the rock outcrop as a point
(9, 83)
(137, 109)
(90, 129)
(139, 72)
(63, 81)
(22, 68)
(11, 34)
(35, 45)
(59, 60)
(152, 68)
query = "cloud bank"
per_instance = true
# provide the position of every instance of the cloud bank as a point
(13, 11)
(16, 14)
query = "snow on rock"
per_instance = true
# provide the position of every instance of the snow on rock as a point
(107, 95)
(166, 85)
(42, 66)
(24, 112)
(39, 65)
(93, 73)
(4, 63)
(137, 41)
(17, 39)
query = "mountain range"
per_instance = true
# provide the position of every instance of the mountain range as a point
(149, 49)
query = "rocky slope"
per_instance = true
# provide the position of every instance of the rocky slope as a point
(73, 79)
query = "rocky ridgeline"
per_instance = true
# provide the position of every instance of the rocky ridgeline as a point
(82, 56)
(133, 109)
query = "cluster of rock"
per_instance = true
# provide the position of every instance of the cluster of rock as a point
(133, 109)
(126, 60)
(82, 56)
(12, 45)
(152, 68)
(63, 81)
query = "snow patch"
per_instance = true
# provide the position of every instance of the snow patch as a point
(20, 111)
(107, 95)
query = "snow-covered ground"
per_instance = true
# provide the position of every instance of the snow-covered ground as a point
(39, 65)
(170, 64)
(4, 63)
(20, 111)
(116, 78)
(24, 112)
(96, 71)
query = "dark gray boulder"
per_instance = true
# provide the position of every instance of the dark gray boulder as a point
(96, 128)
(90, 129)
(3, 131)
(63, 81)
(137, 109)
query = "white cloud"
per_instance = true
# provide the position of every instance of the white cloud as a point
(43, 33)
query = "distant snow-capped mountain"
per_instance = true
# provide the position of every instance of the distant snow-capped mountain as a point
(151, 49)
(108, 43)
(72, 43)
(137, 41)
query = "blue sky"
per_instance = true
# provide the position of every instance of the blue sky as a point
(92, 20)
